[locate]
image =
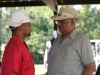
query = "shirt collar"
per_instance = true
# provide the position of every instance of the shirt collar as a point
(17, 39)
(73, 34)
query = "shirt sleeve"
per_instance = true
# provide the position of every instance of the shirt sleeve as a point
(17, 60)
(86, 51)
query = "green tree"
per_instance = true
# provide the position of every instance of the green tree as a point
(41, 31)
(90, 24)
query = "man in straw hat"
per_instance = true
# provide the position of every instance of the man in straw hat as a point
(71, 52)
(17, 59)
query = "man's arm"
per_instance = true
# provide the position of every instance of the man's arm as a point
(89, 69)
(14, 73)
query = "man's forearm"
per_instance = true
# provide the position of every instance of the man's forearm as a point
(89, 69)
(87, 72)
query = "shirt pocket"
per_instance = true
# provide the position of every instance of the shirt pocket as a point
(65, 57)
(28, 58)
(27, 61)
(71, 53)
(69, 57)
(31, 58)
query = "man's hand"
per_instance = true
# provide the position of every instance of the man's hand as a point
(14, 73)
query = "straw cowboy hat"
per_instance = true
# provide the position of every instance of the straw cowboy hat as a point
(66, 13)
(18, 17)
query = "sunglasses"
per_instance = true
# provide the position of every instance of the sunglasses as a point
(62, 21)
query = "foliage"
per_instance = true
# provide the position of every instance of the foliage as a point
(41, 32)
(90, 24)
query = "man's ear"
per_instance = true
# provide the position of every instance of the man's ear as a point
(21, 27)
(73, 21)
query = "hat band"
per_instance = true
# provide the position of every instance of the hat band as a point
(66, 15)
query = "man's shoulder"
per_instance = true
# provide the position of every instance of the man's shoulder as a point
(81, 37)
(12, 44)
(81, 34)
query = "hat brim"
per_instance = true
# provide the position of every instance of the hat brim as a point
(17, 24)
(56, 17)
(32, 20)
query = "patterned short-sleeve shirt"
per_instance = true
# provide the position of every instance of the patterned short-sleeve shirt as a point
(70, 56)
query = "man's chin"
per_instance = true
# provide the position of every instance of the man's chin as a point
(29, 35)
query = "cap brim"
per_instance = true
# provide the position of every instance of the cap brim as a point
(56, 17)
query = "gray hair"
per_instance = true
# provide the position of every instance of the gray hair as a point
(75, 20)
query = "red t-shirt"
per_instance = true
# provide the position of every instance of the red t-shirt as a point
(17, 58)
